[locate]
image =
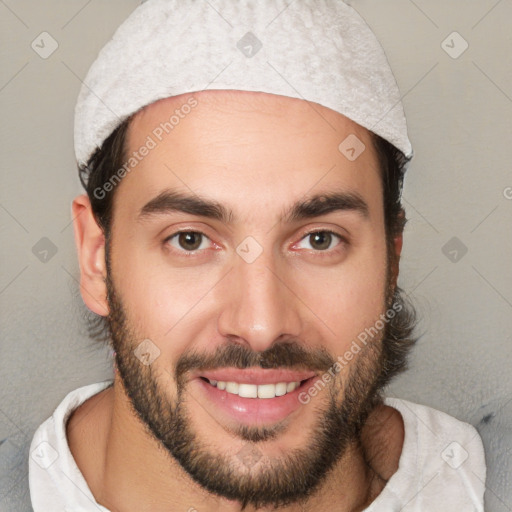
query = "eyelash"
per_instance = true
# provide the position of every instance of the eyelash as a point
(187, 254)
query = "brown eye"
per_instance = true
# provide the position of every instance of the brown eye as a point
(187, 240)
(321, 240)
(190, 241)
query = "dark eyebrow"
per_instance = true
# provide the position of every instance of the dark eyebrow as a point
(321, 204)
(172, 201)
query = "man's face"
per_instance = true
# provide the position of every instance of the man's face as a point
(255, 300)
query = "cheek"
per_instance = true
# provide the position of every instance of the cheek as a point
(349, 298)
(164, 303)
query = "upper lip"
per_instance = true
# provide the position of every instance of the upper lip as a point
(255, 375)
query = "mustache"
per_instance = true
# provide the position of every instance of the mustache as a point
(285, 355)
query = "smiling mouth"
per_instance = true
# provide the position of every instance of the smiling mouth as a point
(247, 390)
(253, 396)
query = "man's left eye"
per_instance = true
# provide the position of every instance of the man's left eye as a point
(321, 240)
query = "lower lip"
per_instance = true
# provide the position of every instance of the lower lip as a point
(253, 411)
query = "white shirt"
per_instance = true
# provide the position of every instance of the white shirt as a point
(441, 468)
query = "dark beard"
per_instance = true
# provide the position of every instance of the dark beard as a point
(256, 480)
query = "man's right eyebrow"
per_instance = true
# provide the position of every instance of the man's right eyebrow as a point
(170, 201)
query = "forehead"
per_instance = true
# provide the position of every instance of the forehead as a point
(254, 152)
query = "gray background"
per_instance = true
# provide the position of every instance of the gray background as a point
(459, 113)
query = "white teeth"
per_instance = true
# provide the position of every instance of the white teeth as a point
(248, 390)
(281, 389)
(291, 386)
(256, 391)
(266, 391)
(232, 387)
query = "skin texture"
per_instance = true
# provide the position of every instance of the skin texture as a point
(256, 154)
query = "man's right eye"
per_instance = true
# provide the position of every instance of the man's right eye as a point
(187, 241)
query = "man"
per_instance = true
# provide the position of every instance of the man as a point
(241, 235)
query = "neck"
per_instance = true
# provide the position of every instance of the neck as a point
(133, 469)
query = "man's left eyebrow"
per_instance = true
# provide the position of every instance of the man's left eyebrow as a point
(322, 204)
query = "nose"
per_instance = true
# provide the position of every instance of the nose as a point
(259, 305)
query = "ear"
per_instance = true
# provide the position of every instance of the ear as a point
(90, 245)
